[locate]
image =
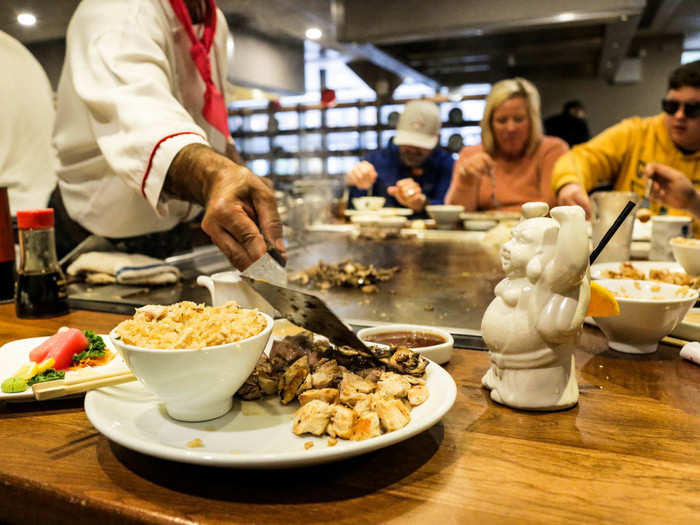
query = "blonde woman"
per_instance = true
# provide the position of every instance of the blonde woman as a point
(514, 162)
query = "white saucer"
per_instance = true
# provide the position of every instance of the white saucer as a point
(255, 434)
(381, 211)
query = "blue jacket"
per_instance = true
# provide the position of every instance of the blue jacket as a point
(434, 182)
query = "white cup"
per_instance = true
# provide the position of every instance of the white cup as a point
(228, 286)
(663, 229)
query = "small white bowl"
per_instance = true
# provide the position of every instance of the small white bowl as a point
(195, 385)
(439, 353)
(387, 224)
(445, 214)
(687, 252)
(368, 203)
(649, 311)
(479, 225)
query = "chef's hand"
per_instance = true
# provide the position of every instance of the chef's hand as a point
(240, 209)
(362, 175)
(475, 166)
(673, 188)
(409, 193)
(573, 194)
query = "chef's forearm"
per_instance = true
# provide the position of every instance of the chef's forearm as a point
(193, 171)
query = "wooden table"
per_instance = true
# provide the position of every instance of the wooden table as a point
(628, 453)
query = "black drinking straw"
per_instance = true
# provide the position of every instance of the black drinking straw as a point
(608, 234)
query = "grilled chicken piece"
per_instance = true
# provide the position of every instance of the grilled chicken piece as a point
(366, 426)
(364, 404)
(329, 395)
(292, 379)
(353, 388)
(150, 312)
(313, 418)
(417, 394)
(327, 373)
(342, 421)
(392, 384)
(392, 413)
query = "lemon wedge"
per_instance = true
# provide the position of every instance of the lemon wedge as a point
(44, 365)
(603, 302)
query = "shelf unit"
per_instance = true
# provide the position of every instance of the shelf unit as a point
(322, 151)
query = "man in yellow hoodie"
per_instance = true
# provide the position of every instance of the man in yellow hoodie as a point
(663, 147)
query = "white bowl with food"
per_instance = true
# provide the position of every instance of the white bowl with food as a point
(368, 203)
(649, 311)
(388, 224)
(193, 357)
(434, 343)
(687, 253)
(445, 215)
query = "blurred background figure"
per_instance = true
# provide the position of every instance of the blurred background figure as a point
(513, 164)
(27, 158)
(569, 125)
(411, 172)
(630, 152)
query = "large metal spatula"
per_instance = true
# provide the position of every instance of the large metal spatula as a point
(305, 310)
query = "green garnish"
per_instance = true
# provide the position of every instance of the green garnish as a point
(96, 347)
(13, 385)
(47, 375)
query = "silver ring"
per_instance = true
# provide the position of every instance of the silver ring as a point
(411, 192)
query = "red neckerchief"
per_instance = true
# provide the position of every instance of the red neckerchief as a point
(214, 109)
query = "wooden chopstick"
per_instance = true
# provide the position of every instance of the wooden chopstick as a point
(674, 341)
(61, 387)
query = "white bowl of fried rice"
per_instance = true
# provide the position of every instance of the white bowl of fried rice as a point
(193, 357)
(649, 311)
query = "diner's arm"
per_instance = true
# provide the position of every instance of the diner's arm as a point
(240, 209)
(597, 160)
(466, 177)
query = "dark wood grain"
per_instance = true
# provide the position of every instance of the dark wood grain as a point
(627, 453)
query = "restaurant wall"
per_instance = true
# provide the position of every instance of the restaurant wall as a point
(607, 104)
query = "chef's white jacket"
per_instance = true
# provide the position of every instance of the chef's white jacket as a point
(27, 159)
(129, 98)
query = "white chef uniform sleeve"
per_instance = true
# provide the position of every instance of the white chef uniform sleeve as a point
(126, 81)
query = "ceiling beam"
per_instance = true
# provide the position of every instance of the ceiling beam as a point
(618, 36)
(663, 15)
(382, 59)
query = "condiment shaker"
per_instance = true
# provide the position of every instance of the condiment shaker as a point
(41, 285)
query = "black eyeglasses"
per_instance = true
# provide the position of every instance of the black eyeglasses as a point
(690, 109)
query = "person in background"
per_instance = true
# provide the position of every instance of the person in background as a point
(630, 152)
(27, 158)
(513, 164)
(569, 125)
(411, 172)
(142, 134)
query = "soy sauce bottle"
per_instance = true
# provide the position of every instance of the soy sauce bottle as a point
(41, 285)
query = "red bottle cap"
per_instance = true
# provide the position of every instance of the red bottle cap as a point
(27, 219)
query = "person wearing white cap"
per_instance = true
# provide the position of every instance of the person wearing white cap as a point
(413, 171)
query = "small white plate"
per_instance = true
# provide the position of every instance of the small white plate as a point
(689, 327)
(16, 353)
(381, 211)
(598, 270)
(255, 434)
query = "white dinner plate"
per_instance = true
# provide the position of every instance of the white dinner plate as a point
(255, 434)
(598, 270)
(16, 353)
(381, 211)
(689, 327)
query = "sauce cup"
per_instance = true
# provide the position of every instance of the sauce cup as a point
(437, 344)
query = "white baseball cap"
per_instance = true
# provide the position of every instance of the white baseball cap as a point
(419, 125)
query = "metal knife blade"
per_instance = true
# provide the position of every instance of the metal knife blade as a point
(307, 311)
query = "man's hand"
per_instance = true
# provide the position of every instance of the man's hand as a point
(362, 175)
(573, 194)
(240, 210)
(409, 194)
(673, 188)
(475, 166)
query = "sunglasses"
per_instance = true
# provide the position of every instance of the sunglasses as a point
(690, 109)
